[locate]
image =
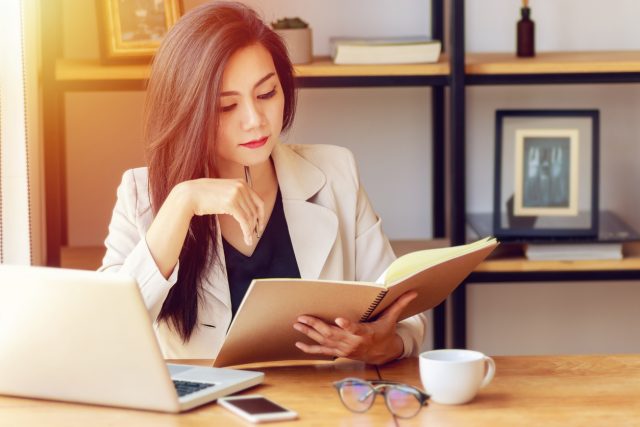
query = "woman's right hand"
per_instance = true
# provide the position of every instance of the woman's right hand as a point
(211, 196)
(205, 196)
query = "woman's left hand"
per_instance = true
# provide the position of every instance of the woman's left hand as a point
(373, 342)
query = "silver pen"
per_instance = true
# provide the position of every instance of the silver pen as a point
(247, 178)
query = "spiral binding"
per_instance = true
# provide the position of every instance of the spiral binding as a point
(373, 306)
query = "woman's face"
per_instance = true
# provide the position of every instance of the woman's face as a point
(251, 109)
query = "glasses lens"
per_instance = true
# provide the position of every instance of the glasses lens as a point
(402, 402)
(357, 396)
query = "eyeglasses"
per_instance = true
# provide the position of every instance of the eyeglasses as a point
(402, 400)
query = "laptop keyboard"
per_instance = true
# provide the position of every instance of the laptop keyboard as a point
(187, 387)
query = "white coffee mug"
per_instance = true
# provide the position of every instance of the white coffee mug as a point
(453, 376)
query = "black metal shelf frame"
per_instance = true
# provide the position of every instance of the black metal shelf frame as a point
(457, 173)
(557, 276)
(552, 79)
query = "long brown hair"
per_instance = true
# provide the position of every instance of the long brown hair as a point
(181, 121)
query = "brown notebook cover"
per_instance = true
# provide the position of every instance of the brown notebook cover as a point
(263, 327)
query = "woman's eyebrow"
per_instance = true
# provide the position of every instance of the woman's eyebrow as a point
(262, 80)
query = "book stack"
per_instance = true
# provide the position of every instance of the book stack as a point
(395, 50)
(573, 251)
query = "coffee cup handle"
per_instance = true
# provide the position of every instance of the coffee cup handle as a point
(491, 370)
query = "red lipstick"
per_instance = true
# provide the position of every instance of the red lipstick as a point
(257, 143)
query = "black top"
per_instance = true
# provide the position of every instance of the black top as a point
(273, 257)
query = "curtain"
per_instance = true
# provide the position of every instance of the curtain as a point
(15, 209)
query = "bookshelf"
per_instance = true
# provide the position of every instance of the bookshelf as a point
(505, 69)
(455, 70)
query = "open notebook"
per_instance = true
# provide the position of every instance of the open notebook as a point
(263, 327)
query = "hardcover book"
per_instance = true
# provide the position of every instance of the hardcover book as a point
(396, 50)
(262, 329)
(573, 251)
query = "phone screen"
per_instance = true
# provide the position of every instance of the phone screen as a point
(257, 405)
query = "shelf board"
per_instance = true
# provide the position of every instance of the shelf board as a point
(553, 63)
(509, 261)
(90, 257)
(324, 67)
(513, 261)
(91, 70)
(88, 70)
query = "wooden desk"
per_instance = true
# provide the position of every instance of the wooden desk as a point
(537, 391)
(541, 391)
(305, 388)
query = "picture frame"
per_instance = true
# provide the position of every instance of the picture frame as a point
(546, 174)
(131, 30)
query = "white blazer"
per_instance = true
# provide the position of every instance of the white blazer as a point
(334, 231)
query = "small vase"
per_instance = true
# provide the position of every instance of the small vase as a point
(525, 35)
(298, 42)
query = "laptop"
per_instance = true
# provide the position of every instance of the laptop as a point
(84, 336)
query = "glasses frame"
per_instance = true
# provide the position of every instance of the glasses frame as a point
(380, 387)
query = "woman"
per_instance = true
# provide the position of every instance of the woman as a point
(192, 230)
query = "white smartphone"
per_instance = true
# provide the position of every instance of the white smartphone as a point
(257, 408)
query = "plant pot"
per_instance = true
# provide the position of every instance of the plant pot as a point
(298, 42)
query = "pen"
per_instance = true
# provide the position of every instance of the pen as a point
(247, 178)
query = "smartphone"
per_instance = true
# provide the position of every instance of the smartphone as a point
(256, 408)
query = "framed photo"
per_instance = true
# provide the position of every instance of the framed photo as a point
(131, 30)
(546, 174)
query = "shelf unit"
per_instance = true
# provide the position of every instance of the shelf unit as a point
(63, 75)
(506, 69)
(456, 70)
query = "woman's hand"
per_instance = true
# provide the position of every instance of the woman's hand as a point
(204, 196)
(208, 196)
(372, 342)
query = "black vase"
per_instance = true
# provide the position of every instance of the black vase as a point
(526, 32)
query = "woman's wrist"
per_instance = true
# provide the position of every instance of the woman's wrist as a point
(388, 350)
(396, 348)
(181, 200)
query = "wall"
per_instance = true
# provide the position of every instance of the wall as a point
(103, 136)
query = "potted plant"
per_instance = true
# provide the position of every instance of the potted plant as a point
(296, 35)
